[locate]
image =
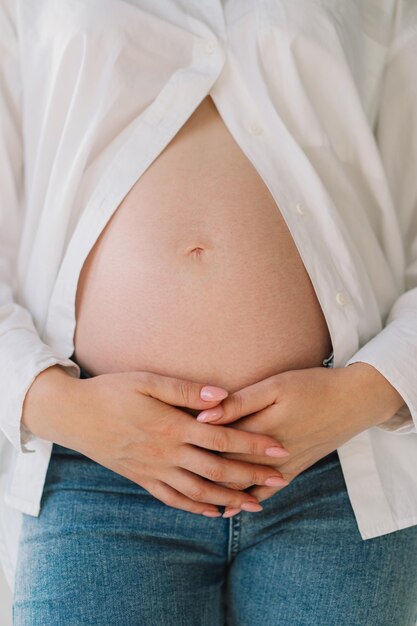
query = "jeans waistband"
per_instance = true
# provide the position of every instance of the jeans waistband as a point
(83, 372)
(329, 361)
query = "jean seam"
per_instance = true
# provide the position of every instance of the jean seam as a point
(234, 537)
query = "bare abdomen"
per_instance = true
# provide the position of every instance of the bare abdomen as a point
(196, 274)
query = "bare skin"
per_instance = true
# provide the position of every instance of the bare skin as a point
(195, 278)
(348, 400)
(127, 422)
(196, 274)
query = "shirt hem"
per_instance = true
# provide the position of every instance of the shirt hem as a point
(385, 529)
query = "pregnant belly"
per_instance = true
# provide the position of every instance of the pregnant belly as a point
(196, 274)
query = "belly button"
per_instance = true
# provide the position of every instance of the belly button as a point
(195, 251)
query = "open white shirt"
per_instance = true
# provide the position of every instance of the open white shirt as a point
(321, 97)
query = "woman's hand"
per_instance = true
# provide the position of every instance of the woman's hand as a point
(310, 411)
(127, 423)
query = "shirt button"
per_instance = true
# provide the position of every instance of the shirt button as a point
(254, 128)
(342, 298)
(210, 47)
(300, 208)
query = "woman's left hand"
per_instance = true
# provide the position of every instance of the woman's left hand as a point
(311, 412)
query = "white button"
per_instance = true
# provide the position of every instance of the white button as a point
(254, 128)
(210, 47)
(342, 298)
(300, 208)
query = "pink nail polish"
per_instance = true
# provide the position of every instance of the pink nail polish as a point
(231, 512)
(276, 451)
(252, 507)
(212, 513)
(210, 393)
(276, 481)
(210, 414)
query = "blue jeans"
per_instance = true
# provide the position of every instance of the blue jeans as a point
(105, 552)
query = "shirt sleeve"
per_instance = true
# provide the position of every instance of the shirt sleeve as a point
(23, 355)
(393, 351)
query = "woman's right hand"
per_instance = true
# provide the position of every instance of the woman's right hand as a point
(127, 422)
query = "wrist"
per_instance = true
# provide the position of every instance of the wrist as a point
(376, 395)
(46, 403)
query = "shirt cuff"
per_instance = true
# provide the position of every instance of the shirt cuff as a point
(22, 357)
(25, 435)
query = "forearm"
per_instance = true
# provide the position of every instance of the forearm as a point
(49, 402)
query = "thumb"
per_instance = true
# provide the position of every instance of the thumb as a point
(180, 392)
(250, 399)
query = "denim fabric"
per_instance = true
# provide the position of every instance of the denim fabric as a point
(105, 552)
(329, 361)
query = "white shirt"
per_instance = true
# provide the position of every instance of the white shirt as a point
(321, 97)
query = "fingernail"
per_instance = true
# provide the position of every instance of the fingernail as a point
(276, 451)
(212, 513)
(209, 393)
(210, 415)
(276, 481)
(252, 507)
(230, 512)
